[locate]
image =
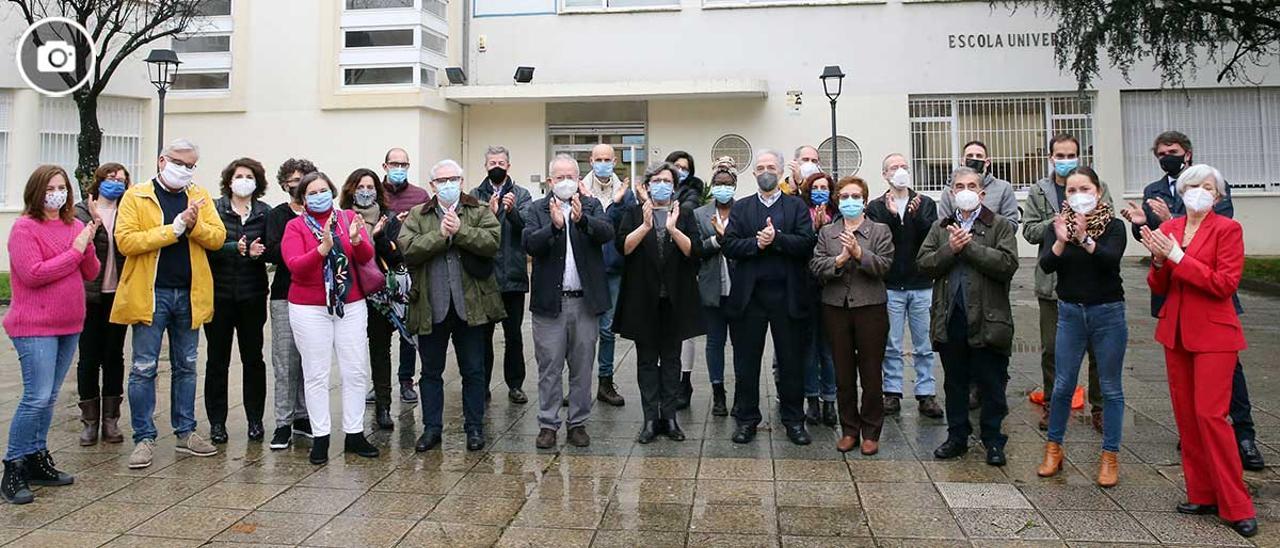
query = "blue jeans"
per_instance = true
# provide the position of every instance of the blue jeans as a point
(717, 337)
(819, 368)
(44, 362)
(172, 314)
(468, 348)
(1103, 327)
(605, 354)
(909, 309)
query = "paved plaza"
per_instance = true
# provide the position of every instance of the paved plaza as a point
(703, 492)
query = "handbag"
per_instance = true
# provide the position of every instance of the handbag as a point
(367, 274)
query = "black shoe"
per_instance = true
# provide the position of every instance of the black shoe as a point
(674, 433)
(813, 415)
(256, 431)
(647, 433)
(488, 395)
(608, 392)
(13, 487)
(1246, 527)
(407, 393)
(995, 456)
(281, 438)
(429, 439)
(382, 418)
(1251, 457)
(798, 435)
(1197, 509)
(685, 392)
(892, 404)
(829, 413)
(475, 441)
(41, 470)
(744, 433)
(718, 407)
(356, 443)
(951, 449)
(319, 450)
(577, 436)
(516, 395)
(302, 427)
(218, 433)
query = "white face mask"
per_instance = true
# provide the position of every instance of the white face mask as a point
(808, 168)
(967, 200)
(243, 187)
(1197, 200)
(1082, 203)
(55, 199)
(564, 189)
(901, 178)
(174, 176)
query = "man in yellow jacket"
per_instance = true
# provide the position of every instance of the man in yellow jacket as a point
(164, 229)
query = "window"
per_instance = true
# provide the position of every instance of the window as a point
(438, 8)
(202, 44)
(373, 76)
(571, 5)
(121, 122)
(434, 41)
(6, 106)
(850, 156)
(205, 50)
(378, 4)
(374, 55)
(1016, 130)
(213, 8)
(1235, 130)
(202, 81)
(427, 76)
(379, 38)
(733, 146)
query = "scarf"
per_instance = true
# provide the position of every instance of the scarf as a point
(371, 214)
(392, 301)
(336, 272)
(1095, 223)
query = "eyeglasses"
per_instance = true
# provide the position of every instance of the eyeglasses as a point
(400, 165)
(657, 180)
(180, 162)
(447, 180)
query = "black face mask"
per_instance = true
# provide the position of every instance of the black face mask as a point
(977, 165)
(497, 175)
(1172, 165)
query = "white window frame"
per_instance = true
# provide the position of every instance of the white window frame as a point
(6, 134)
(121, 120)
(739, 4)
(417, 19)
(209, 62)
(203, 91)
(605, 7)
(415, 83)
(423, 6)
(412, 30)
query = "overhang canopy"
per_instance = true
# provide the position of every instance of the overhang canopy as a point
(607, 91)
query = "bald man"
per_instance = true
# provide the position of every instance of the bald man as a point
(614, 195)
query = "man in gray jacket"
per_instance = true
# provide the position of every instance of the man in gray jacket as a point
(997, 193)
(507, 200)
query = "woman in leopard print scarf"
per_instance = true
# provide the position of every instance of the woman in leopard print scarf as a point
(1095, 222)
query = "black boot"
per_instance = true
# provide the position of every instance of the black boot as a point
(13, 487)
(674, 433)
(685, 395)
(647, 433)
(355, 443)
(382, 416)
(813, 415)
(319, 450)
(829, 413)
(41, 471)
(717, 400)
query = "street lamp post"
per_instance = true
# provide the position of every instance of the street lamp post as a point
(833, 76)
(162, 66)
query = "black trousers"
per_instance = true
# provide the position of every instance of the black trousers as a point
(513, 345)
(1241, 411)
(245, 320)
(965, 365)
(380, 334)
(767, 311)
(101, 349)
(658, 369)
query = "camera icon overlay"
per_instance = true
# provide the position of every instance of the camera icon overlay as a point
(56, 56)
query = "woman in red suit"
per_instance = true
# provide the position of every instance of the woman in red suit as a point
(1196, 263)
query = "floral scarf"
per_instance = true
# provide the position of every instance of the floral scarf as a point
(336, 269)
(1095, 222)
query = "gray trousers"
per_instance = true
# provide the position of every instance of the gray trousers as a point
(569, 337)
(286, 362)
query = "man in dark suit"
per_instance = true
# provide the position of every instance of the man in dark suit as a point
(770, 239)
(1161, 202)
(564, 232)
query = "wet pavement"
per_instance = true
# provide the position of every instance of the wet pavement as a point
(705, 491)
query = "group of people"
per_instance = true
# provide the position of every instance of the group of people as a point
(836, 274)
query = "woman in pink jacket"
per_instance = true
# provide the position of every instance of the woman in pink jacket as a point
(50, 257)
(322, 249)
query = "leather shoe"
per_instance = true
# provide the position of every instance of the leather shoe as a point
(577, 436)
(475, 441)
(674, 433)
(647, 433)
(516, 395)
(1194, 509)
(995, 456)
(382, 417)
(892, 405)
(846, 443)
(951, 449)
(798, 435)
(427, 441)
(256, 432)
(1246, 527)
(1251, 457)
(929, 407)
(218, 433)
(870, 447)
(744, 433)
(546, 439)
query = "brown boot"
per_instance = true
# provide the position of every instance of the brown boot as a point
(89, 415)
(1108, 469)
(111, 414)
(1052, 460)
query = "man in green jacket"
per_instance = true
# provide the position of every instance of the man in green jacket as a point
(1044, 203)
(449, 246)
(972, 256)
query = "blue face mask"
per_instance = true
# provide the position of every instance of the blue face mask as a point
(723, 193)
(820, 196)
(851, 207)
(449, 192)
(603, 170)
(320, 202)
(398, 175)
(683, 174)
(1063, 167)
(661, 191)
(111, 189)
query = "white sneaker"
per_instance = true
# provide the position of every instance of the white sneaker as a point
(141, 456)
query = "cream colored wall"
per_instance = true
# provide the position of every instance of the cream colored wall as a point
(519, 127)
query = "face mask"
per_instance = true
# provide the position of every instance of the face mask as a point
(174, 176)
(365, 197)
(1082, 203)
(449, 192)
(111, 189)
(320, 203)
(603, 170)
(851, 207)
(55, 199)
(1172, 165)
(497, 175)
(683, 174)
(977, 165)
(564, 189)
(661, 192)
(820, 196)
(767, 181)
(1063, 167)
(243, 187)
(723, 193)
(1197, 200)
(808, 168)
(901, 178)
(967, 200)
(398, 176)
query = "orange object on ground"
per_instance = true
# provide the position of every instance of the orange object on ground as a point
(1077, 399)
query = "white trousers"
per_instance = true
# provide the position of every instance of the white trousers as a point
(319, 336)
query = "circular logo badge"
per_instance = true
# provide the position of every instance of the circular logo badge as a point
(56, 56)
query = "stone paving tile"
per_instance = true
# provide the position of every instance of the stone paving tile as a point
(426, 482)
(734, 492)
(562, 513)
(159, 490)
(39, 513)
(493, 485)
(312, 500)
(647, 516)
(398, 506)
(733, 518)
(272, 528)
(1097, 526)
(526, 536)
(900, 495)
(822, 521)
(825, 494)
(735, 469)
(134, 541)
(475, 510)
(353, 532)
(661, 467)
(674, 491)
(1172, 528)
(1067, 497)
(731, 540)
(186, 522)
(982, 495)
(45, 538)
(628, 539)
(428, 534)
(572, 488)
(811, 470)
(1003, 523)
(926, 523)
(1146, 498)
(243, 496)
(887, 471)
(107, 517)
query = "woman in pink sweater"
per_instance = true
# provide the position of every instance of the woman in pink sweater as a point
(50, 257)
(327, 311)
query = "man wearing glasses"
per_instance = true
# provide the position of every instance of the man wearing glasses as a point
(401, 197)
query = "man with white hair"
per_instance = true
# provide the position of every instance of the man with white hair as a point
(165, 231)
(564, 232)
(449, 244)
